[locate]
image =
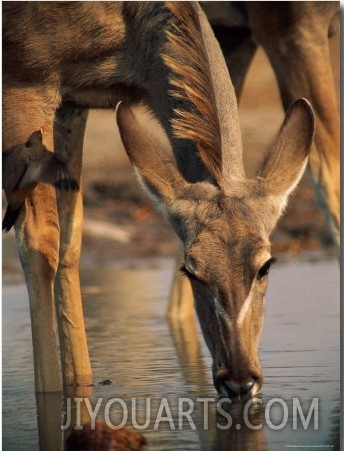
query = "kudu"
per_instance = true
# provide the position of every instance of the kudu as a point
(62, 58)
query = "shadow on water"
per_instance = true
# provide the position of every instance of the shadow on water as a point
(155, 376)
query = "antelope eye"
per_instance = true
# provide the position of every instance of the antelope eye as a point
(264, 270)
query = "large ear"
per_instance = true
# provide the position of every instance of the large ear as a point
(286, 160)
(152, 159)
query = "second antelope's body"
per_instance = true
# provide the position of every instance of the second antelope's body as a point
(61, 59)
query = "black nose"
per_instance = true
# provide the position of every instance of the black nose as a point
(240, 389)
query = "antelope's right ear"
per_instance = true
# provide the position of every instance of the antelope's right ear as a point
(151, 158)
(285, 162)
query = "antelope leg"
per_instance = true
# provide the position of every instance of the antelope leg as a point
(37, 231)
(69, 130)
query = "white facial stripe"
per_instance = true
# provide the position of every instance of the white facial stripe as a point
(245, 308)
(222, 312)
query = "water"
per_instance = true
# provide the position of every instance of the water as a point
(138, 356)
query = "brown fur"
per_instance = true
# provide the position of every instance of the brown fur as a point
(160, 59)
(191, 82)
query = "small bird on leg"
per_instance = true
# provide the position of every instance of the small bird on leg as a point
(23, 166)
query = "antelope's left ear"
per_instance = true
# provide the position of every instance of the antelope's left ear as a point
(286, 160)
(151, 158)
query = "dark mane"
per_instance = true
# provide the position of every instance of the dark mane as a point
(186, 57)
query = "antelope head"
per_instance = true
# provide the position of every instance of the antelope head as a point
(225, 226)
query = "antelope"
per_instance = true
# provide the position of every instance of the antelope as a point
(63, 58)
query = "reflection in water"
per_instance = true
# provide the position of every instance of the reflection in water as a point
(158, 374)
(49, 408)
(246, 431)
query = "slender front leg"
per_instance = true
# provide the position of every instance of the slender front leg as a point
(37, 232)
(76, 368)
(37, 229)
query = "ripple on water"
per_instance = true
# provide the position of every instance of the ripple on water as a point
(132, 345)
